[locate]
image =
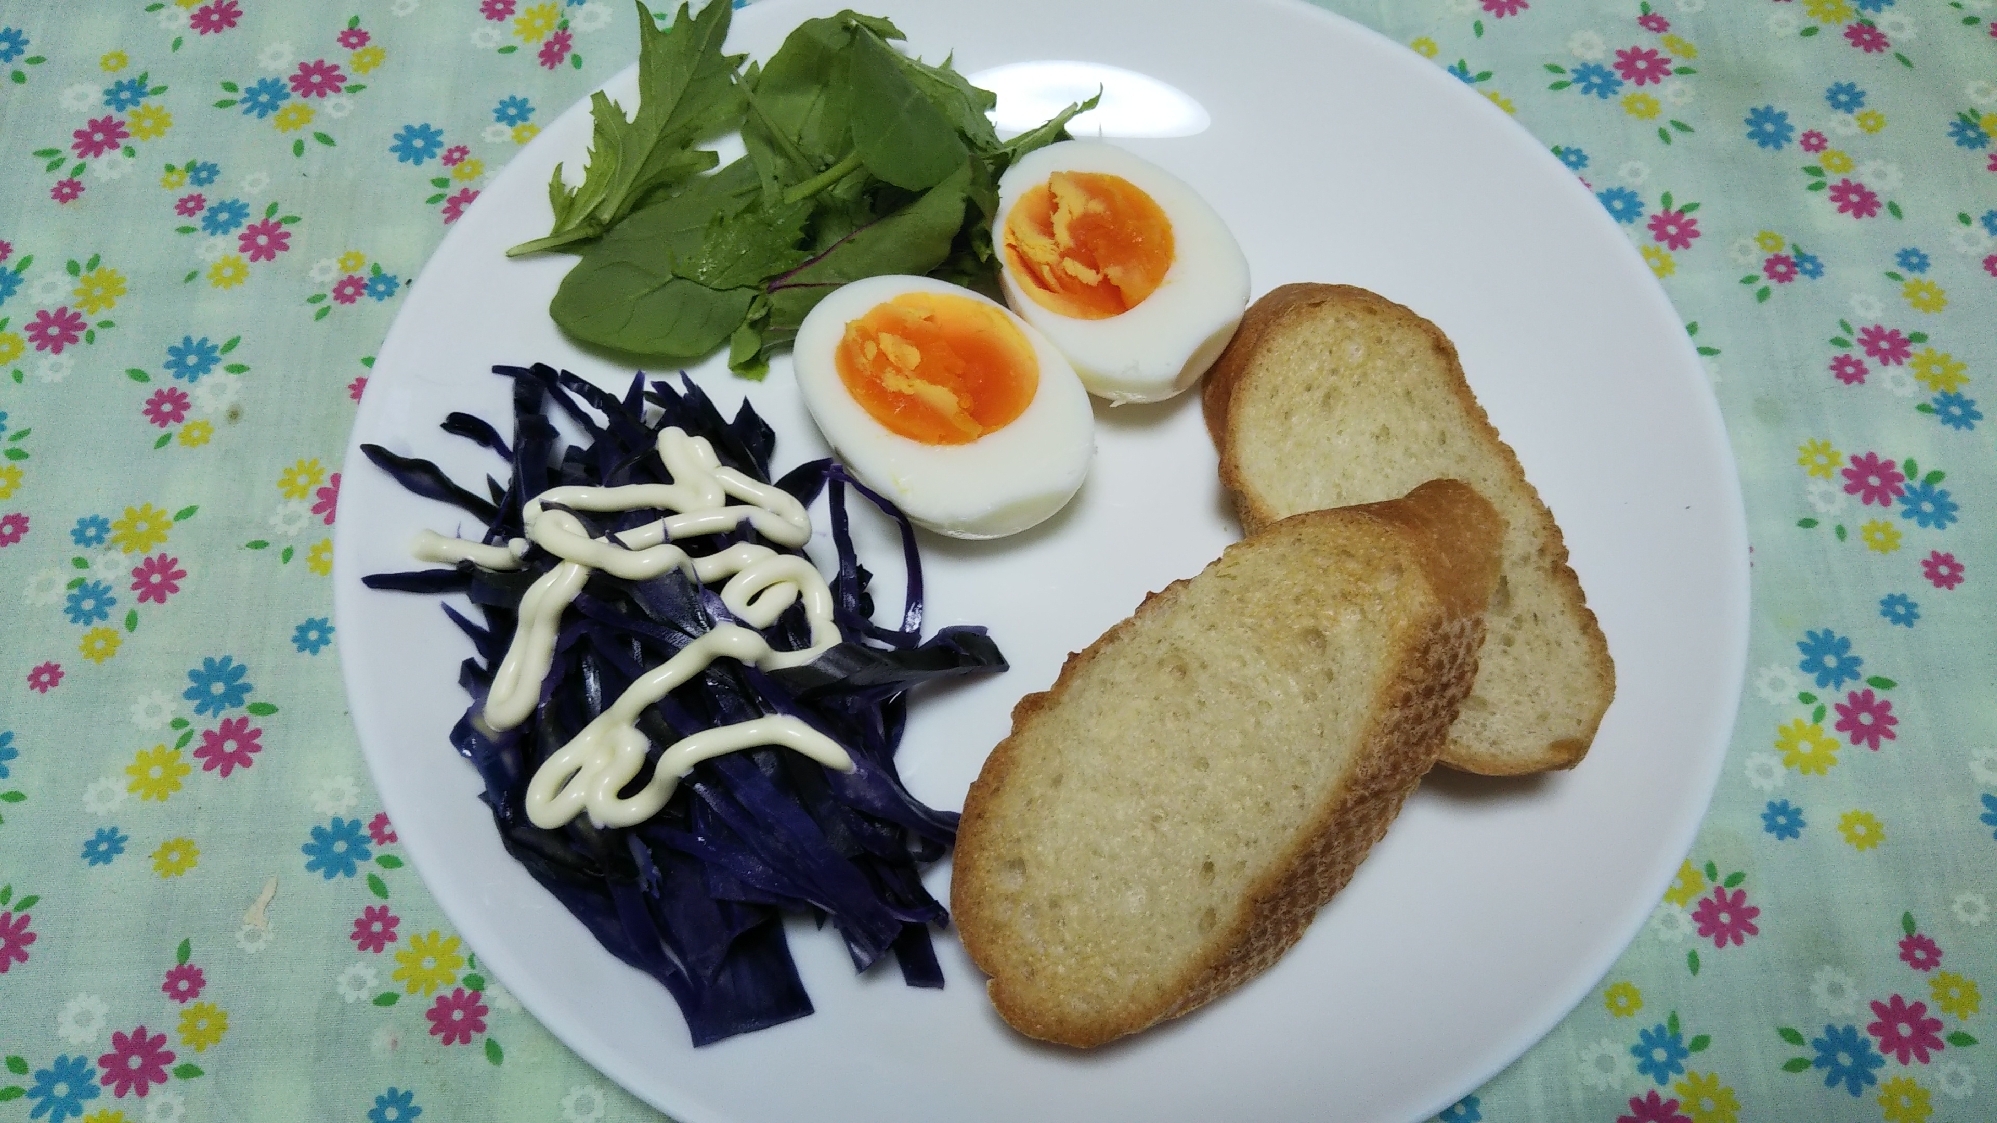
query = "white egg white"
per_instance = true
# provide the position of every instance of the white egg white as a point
(1162, 346)
(999, 484)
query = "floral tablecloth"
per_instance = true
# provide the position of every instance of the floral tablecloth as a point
(211, 208)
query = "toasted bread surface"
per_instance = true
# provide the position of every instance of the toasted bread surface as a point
(1164, 821)
(1330, 395)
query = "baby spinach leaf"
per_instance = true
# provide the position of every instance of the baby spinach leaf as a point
(655, 313)
(901, 135)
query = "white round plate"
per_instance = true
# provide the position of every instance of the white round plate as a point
(1491, 907)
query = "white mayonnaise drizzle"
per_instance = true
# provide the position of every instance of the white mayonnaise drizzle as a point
(587, 773)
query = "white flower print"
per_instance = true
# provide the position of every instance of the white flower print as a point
(45, 587)
(111, 563)
(1971, 239)
(1835, 992)
(1670, 923)
(1898, 381)
(1865, 306)
(112, 167)
(1982, 91)
(80, 96)
(357, 982)
(336, 794)
(252, 938)
(325, 269)
(291, 517)
(405, 7)
(1826, 496)
(81, 1019)
(1971, 908)
(275, 56)
(583, 1104)
(1783, 22)
(165, 1106)
(49, 288)
(55, 368)
(1983, 764)
(1764, 771)
(1604, 1065)
(1898, 26)
(103, 795)
(152, 710)
(1634, 172)
(593, 16)
(1775, 683)
(1882, 174)
(487, 38)
(215, 393)
(497, 134)
(1956, 1080)
(338, 106)
(255, 182)
(212, 249)
(1586, 46)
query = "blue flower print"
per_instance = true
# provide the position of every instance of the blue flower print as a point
(1928, 506)
(1845, 97)
(1874, 6)
(1660, 1054)
(1989, 815)
(1967, 134)
(1769, 127)
(1912, 260)
(1469, 1109)
(89, 603)
(3, 421)
(1624, 205)
(263, 97)
(204, 173)
(381, 286)
(1989, 221)
(1808, 264)
(10, 282)
(218, 685)
(1783, 819)
(394, 1106)
(1956, 411)
(1848, 1056)
(7, 751)
(514, 110)
(224, 216)
(336, 849)
(120, 96)
(312, 636)
(1594, 78)
(1899, 608)
(90, 531)
(1573, 157)
(61, 1090)
(13, 44)
(1828, 656)
(191, 358)
(103, 846)
(415, 144)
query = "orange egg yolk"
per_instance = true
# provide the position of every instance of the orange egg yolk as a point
(1088, 245)
(938, 368)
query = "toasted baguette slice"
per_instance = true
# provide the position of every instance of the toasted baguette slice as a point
(1329, 395)
(1164, 821)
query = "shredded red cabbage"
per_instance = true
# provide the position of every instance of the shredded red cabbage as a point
(695, 895)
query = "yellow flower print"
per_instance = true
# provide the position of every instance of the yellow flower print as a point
(352, 261)
(1623, 999)
(176, 856)
(100, 644)
(11, 346)
(99, 290)
(292, 117)
(1680, 46)
(1501, 101)
(1769, 241)
(1903, 1100)
(149, 121)
(1687, 885)
(142, 528)
(526, 131)
(113, 62)
(194, 434)
(1989, 122)
(156, 772)
(188, 3)
(319, 559)
(1924, 296)
(174, 179)
(430, 961)
(1957, 996)
(1880, 536)
(229, 272)
(1834, 161)
(534, 24)
(1424, 46)
(1939, 371)
(367, 58)
(1806, 748)
(1871, 120)
(1707, 1100)
(297, 481)
(10, 480)
(108, 1115)
(1829, 11)
(468, 170)
(1862, 829)
(1818, 458)
(1660, 262)
(202, 1025)
(1643, 107)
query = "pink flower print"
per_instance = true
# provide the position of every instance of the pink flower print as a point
(1675, 229)
(136, 1062)
(1866, 719)
(15, 937)
(1653, 1108)
(1854, 198)
(317, 78)
(454, 155)
(13, 528)
(1848, 369)
(1990, 263)
(1726, 919)
(95, 138)
(157, 578)
(1885, 345)
(496, 10)
(1990, 165)
(459, 1016)
(215, 18)
(1904, 1029)
(555, 47)
(1866, 38)
(66, 190)
(349, 288)
(52, 331)
(327, 499)
(1873, 480)
(1499, 9)
(1813, 141)
(354, 38)
(380, 830)
(1920, 952)
(167, 406)
(45, 677)
(230, 747)
(263, 241)
(1653, 22)
(1780, 268)
(454, 207)
(1642, 65)
(184, 982)
(357, 387)
(1942, 570)
(187, 206)
(374, 929)
(6, 251)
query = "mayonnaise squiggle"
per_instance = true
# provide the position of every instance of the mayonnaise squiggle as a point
(587, 773)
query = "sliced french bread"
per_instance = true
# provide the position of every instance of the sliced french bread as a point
(1330, 395)
(1164, 821)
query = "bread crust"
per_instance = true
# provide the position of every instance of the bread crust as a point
(1291, 304)
(1453, 536)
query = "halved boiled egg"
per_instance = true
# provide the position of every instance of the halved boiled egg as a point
(945, 402)
(1125, 268)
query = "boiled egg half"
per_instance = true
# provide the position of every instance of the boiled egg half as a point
(945, 402)
(1121, 264)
